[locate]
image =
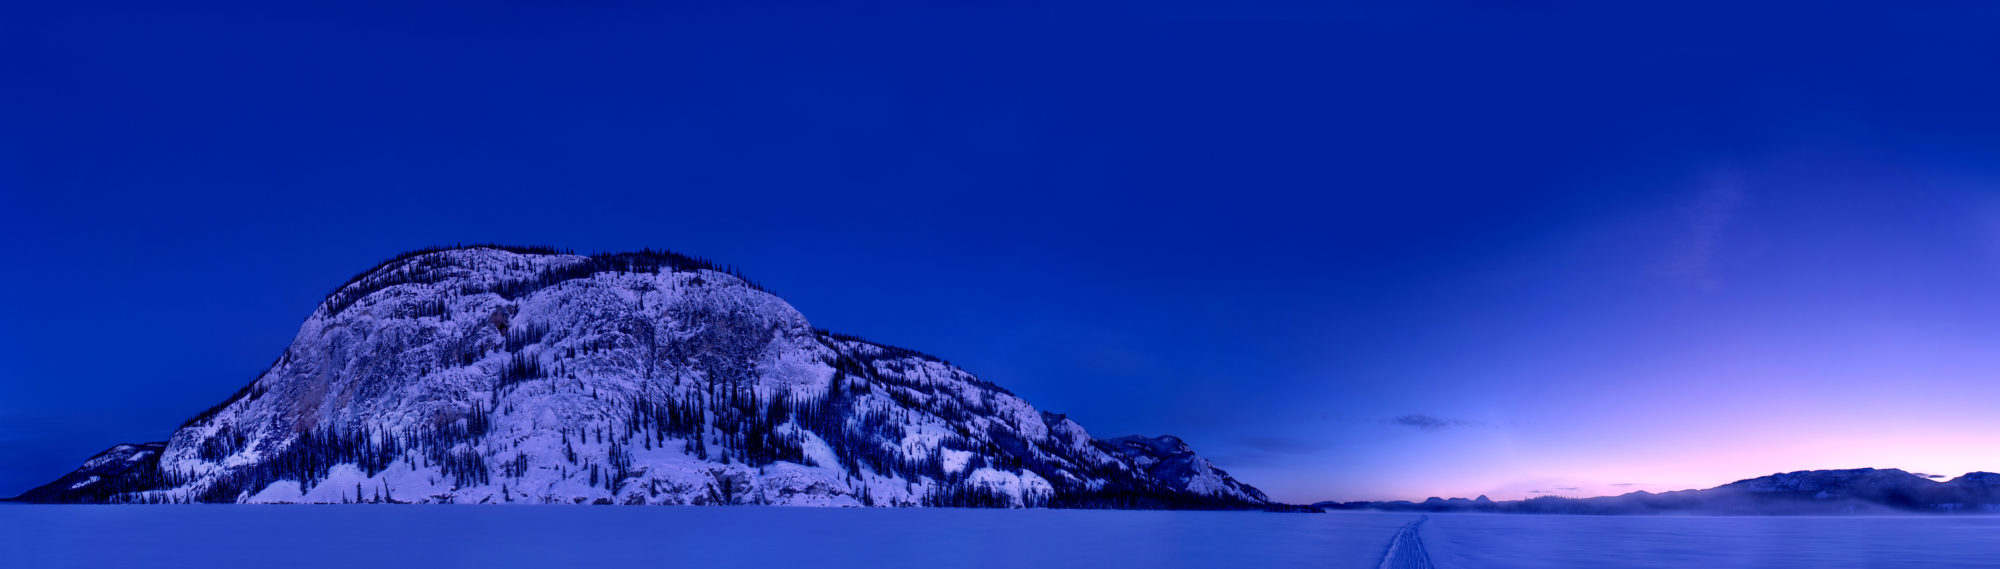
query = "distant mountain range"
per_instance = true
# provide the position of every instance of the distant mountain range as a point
(492, 374)
(1806, 492)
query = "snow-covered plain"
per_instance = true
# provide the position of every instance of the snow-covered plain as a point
(1712, 542)
(716, 537)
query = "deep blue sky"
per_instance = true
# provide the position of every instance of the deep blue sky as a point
(1445, 248)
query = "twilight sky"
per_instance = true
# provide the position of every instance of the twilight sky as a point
(1448, 249)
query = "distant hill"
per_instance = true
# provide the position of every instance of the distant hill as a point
(1806, 492)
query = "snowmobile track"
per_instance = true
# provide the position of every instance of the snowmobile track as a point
(1406, 550)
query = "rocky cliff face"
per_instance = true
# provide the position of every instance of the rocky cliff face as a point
(496, 374)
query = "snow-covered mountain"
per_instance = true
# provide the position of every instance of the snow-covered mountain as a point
(494, 374)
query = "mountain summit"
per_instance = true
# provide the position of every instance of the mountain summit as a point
(492, 374)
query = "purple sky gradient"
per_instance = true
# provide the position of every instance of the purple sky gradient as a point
(1348, 251)
(1809, 311)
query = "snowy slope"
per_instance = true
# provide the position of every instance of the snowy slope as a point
(499, 374)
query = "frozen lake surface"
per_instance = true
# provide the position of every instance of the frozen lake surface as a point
(568, 536)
